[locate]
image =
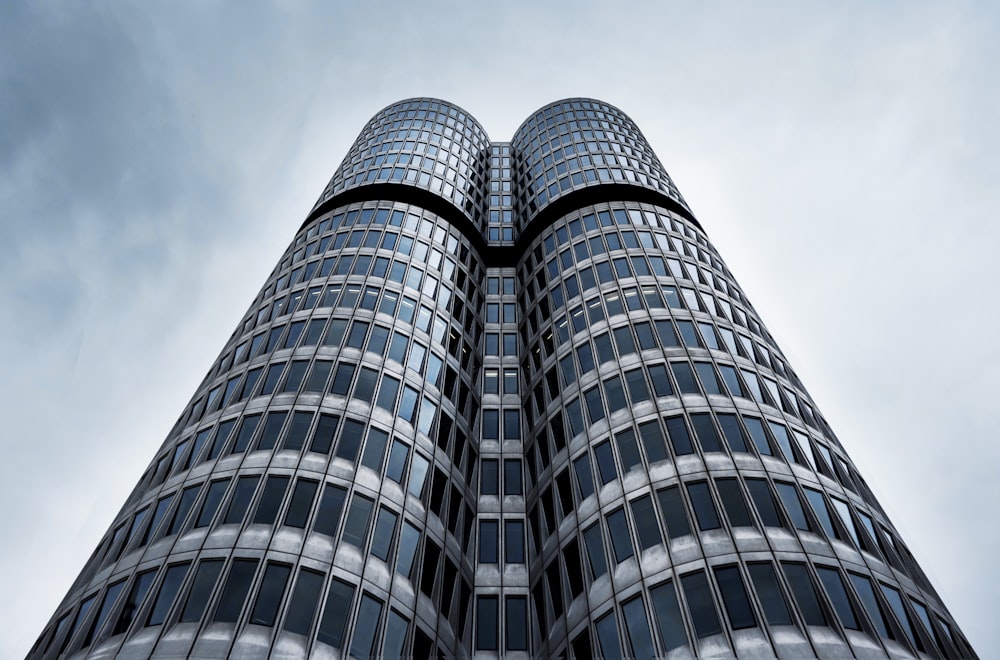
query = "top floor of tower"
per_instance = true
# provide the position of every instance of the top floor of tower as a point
(568, 153)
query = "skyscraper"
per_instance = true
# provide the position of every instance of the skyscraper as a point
(501, 398)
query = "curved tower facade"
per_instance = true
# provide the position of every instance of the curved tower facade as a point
(501, 398)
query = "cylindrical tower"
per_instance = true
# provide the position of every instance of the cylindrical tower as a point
(501, 399)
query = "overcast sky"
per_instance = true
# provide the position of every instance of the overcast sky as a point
(156, 160)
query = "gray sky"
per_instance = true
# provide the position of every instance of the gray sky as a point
(156, 160)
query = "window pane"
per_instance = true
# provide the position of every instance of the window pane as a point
(212, 500)
(704, 507)
(395, 636)
(245, 488)
(302, 606)
(605, 462)
(338, 607)
(700, 604)
(679, 438)
(867, 594)
(607, 636)
(356, 526)
(172, 580)
(734, 503)
(595, 551)
(516, 623)
(110, 598)
(136, 596)
(768, 591)
(760, 493)
(488, 540)
(734, 597)
(620, 539)
(669, 621)
(793, 506)
(513, 541)
(834, 585)
(805, 594)
(486, 623)
(272, 589)
(645, 522)
(301, 503)
(385, 528)
(638, 629)
(369, 614)
(331, 507)
(201, 588)
(234, 594)
(674, 512)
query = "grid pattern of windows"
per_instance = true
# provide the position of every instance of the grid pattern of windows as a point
(521, 421)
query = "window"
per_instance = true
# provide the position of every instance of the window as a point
(760, 493)
(356, 525)
(488, 541)
(645, 522)
(245, 488)
(734, 597)
(211, 504)
(301, 503)
(272, 589)
(235, 592)
(638, 629)
(793, 506)
(701, 604)
(674, 512)
(770, 594)
(171, 584)
(621, 541)
(734, 503)
(516, 623)
(338, 606)
(270, 500)
(866, 592)
(135, 599)
(834, 585)
(704, 507)
(486, 623)
(513, 533)
(805, 594)
(512, 477)
(607, 637)
(669, 622)
(205, 578)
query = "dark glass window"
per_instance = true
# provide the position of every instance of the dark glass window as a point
(212, 500)
(607, 637)
(136, 596)
(896, 603)
(628, 449)
(513, 532)
(734, 503)
(866, 592)
(584, 476)
(110, 598)
(295, 438)
(834, 584)
(397, 461)
(171, 584)
(516, 623)
(595, 408)
(621, 541)
(486, 623)
(205, 578)
(301, 503)
(758, 435)
(350, 440)
(769, 592)
(733, 432)
(605, 462)
(488, 541)
(240, 502)
(184, 507)
(270, 500)
(686, 382)
(595, 550)
(652, 441)
(385, 528)
(395, 635)
(302, 606)
(356, 525)
(272, 428)
(669, 621)
(818, 504)
(705, 430)
(793, 506)
(645, 522)
(323, 436)
(247, 429)
(805, 594)
(638, 629)
(338, 607)
(734, 597)
(760, 493)
(679, 437)
(512, 477)
(331, 506)
(637, 389)
(674, 512)
(490, 479)
(375, 449)
(701, 604)
(704, 507)
(234, 594)
(272, 589)
(408, 539)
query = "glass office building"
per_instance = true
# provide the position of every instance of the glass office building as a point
(501, 398)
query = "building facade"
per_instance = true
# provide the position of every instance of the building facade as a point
(501, 398)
